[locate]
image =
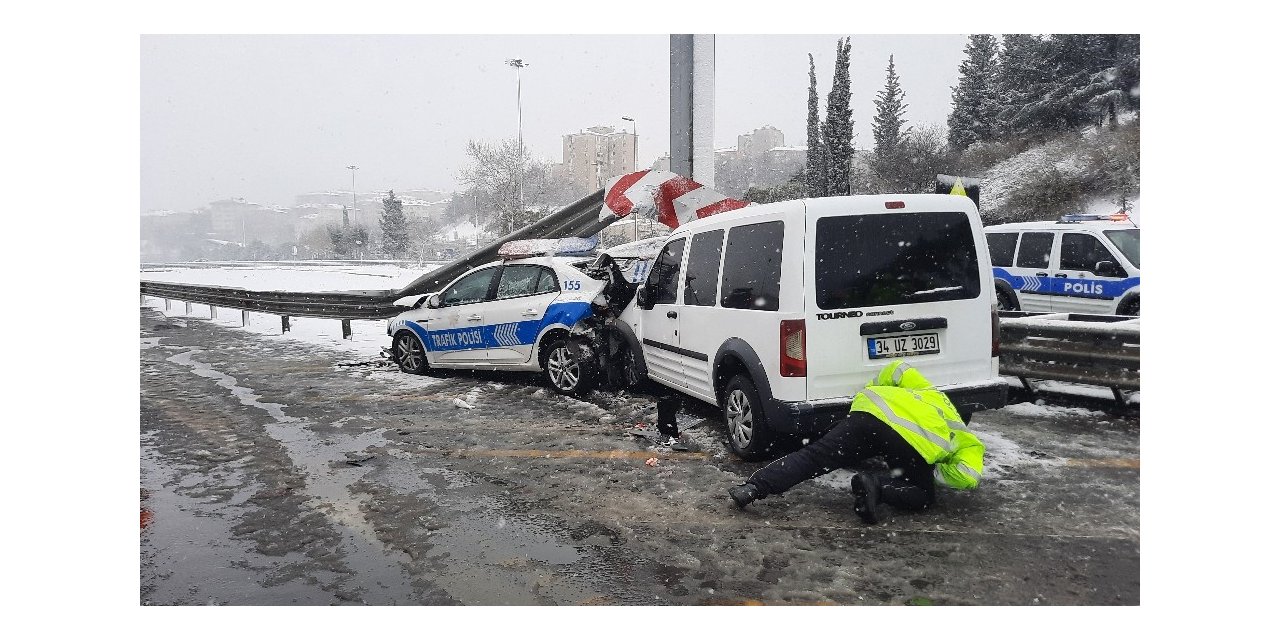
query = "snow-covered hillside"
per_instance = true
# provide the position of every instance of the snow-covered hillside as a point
(1086, 172)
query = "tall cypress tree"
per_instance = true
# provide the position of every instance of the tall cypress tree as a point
(889, 111)
(815, 166)
(395, 227)
(838, 129)
(974, 101)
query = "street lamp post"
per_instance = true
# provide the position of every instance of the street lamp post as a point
(353, 191)
(354, 210)
(519, 64)
(635, 166)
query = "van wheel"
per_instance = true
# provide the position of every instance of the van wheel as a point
(1006, 301)
(409, 353)
(749, 433)
(569, 367)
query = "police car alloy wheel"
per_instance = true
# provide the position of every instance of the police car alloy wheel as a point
(569, 368)
(409, 353)
(563, 369)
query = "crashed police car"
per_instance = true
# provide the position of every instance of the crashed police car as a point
(535, 309)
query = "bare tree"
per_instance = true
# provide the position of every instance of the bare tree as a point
(491, 174)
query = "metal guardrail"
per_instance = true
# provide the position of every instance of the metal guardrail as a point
(342, 305)
(1069, 347)
(1072, 347)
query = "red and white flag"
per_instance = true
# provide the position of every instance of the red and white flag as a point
(674, 198)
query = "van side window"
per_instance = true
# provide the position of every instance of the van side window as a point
(703, 273)
(752, 267)
(1083, 252)
(1034, 250)
(1002, 246)
(662, 280)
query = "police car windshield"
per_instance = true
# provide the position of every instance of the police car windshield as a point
(1127, 241)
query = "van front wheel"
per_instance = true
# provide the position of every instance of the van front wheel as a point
(749, 434)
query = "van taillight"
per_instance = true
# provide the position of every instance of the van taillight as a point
(791, 346)
(895, 204)
(995, 332)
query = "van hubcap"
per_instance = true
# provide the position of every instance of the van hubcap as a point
(562, 369)
(738, 415)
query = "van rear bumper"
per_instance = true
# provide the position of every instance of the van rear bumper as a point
(818, 417)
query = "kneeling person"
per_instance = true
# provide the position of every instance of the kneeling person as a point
(900, 416)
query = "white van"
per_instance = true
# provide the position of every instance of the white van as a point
(1080, 264)
(779, 313)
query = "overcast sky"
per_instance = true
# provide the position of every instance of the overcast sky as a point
(269, 117)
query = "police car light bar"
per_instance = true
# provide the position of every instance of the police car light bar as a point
(1119, 216)
(548, 247)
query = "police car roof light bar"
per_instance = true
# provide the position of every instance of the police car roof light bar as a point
(1119, 216)
(548, 247)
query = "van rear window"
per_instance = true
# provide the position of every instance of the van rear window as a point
(901, 258)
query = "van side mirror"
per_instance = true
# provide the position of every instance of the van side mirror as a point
(433, 301)
(1108, 269)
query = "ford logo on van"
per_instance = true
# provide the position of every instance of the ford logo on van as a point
(907, 326)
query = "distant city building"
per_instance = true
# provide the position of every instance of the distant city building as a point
(761, 160)
(593, 156)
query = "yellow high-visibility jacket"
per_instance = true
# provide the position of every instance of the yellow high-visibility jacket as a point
(901, 397)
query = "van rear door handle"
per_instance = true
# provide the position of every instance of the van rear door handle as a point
(1042, 274)
(1059, 275)
(474, 317)
(671, 314)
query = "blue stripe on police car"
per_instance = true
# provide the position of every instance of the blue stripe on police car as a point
(1070, 287)
(508, 334)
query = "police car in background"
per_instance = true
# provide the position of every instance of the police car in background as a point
(513, 314)
(1079, 264)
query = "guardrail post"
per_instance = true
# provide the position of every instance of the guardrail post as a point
(142, 299)
(188, 309)
(284, 324)
(346, 329)
(213, 312)
(166, 304)
(244, 317)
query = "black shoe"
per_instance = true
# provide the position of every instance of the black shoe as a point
(866, 497)
(744, 494)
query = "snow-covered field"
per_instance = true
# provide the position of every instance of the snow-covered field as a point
(283, 276)
(368, 336)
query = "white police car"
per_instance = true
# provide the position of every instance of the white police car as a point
(1079, 264)
(514, 314)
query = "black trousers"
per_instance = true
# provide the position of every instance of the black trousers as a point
(859, 436)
